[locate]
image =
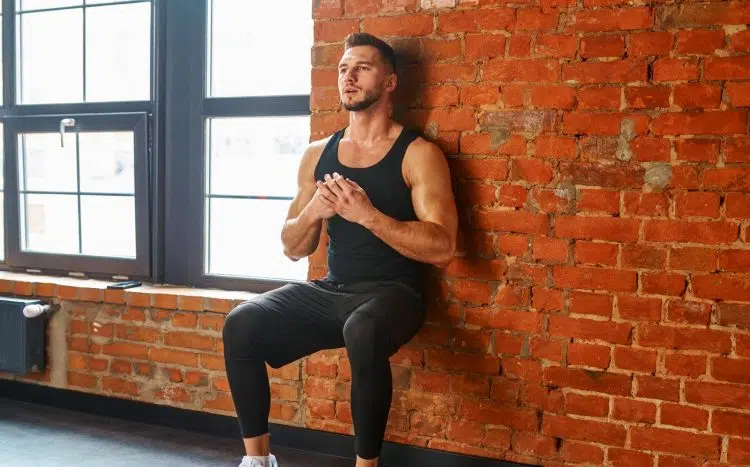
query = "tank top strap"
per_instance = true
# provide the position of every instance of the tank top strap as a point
(329, 157)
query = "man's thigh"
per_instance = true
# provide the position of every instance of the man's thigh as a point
(394, 312)
(293, 321)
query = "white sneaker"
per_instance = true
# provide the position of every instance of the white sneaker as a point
(248, 462)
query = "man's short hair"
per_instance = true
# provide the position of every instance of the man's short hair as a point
(362, 38)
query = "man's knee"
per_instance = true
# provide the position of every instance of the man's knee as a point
(243, 330)
(364, 342)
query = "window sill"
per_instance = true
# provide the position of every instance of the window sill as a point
(95, 291)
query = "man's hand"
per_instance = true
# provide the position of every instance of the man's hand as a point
(318, 208)
(346, 198)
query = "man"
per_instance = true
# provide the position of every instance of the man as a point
(385, 194)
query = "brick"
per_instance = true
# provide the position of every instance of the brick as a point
(685, 177)
(726, 68)
(443, 360)
(120, 386)
(594, 278)
(697, 96)
(555, 146)
(435, 50)
(531, 170)
(600, 228)
(597, 20)
(526, 121)
(536, 19)
(479, 94)
(535, 71)
(639, 308)
(513, 195)
(584, 430)
(647, 97)
(730, 423)
(592, 200)
(735, 179)
(551, 201)
(629, 458)
(718, 122)
(684, 416)
(550, 249)
(734, 260)
(556, 45)
(641, 360)
(592, 406)
(513, 245)
(607, 331)
(740, 41)
(679, 311)
(691, 366)
(739, 94)
(650, 149)
(645, 257)
(717, 394)
(189, 340)
(646, 204)
(533, 444)
(697, 204)
(126, 350)
(475, 20)
(730, 369)
(738, 451)
(519, 46)
(484, 169)
(653, 335)
(554, 97)
(176, 357)
(652, 387)
(697, 150)
(334, 30)
(663, 284)
(596, 253)
(634, 411)
(676, 69)
(601, 124)
(590, 304)
(546, 349)
(598, 98)
(597, 356)
(484, 45)
(688, 232)
(511, 221)
(679, 442)
(610, 45)
(723, 287)
(734, 314)
(449, 72)
(481, 412)
(620, 71)
(642, 44)
(703, 14)
(699, 41)
(575, 452)
(526, 370)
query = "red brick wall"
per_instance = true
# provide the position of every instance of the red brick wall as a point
(599, 309)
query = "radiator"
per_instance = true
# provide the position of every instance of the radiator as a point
(22, 339)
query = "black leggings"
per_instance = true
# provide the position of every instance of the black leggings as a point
(372, 320)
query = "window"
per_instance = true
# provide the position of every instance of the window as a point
(253, 120)
(154, 139)
(76, 131)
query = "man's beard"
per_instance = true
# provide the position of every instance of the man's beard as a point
(368, 100)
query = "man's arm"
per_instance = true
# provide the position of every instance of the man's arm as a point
(431, 239)
(301, 232)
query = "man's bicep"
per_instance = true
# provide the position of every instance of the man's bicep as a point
(432, 190)
(305, 180)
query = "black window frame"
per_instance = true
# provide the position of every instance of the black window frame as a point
(175, 134)
(141, 117)
(187, 40)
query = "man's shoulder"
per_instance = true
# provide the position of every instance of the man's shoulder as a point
(422, 149)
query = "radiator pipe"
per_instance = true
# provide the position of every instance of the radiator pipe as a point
(32, 311)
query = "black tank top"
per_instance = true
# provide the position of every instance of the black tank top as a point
(354, 253)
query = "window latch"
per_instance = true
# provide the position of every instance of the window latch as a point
(65, 122)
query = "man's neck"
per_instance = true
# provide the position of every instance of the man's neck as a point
(369, 127)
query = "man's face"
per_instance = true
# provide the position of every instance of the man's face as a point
(363, 77)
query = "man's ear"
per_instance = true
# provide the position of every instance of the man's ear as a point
(392, 82)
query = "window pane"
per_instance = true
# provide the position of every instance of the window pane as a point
(259, 48)
(49, 223)
(50, 57)
(2, 227)
(107, 162)
(108, 226)
(244, 240)
(257, 156)
(118, 52)
(39, 4)
(46, 166)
